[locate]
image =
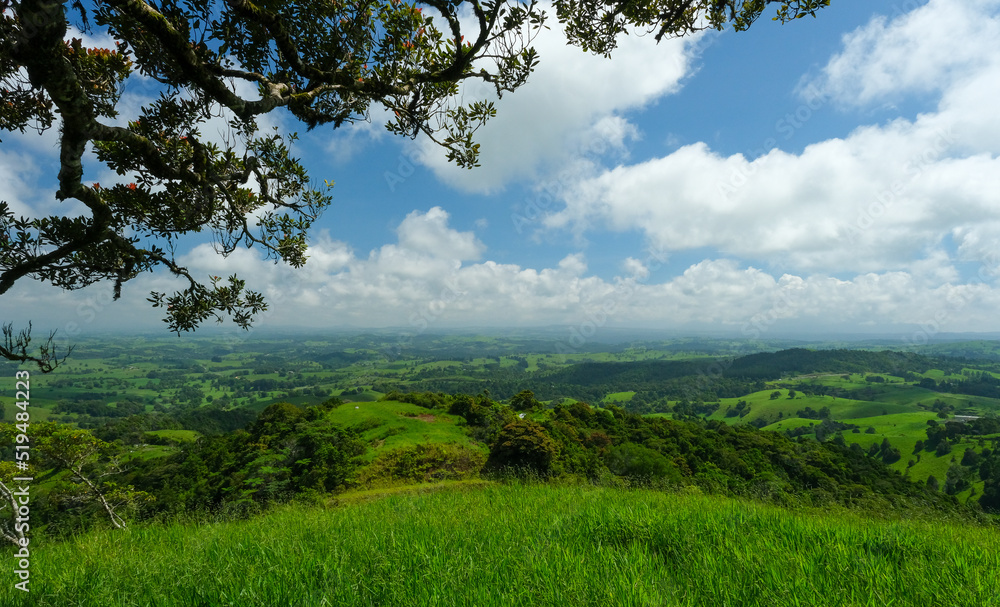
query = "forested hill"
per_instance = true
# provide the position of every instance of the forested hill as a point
(772, 365)
(723, 378)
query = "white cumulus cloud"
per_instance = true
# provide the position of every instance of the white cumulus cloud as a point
(571, 106)
(884, 198)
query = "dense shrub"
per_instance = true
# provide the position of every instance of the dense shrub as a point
(640, 463)
(423, 463)
(523, 444)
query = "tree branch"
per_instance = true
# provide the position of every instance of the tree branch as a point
(16, 349)
(13, 534)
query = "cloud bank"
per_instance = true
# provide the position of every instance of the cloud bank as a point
(893, 226)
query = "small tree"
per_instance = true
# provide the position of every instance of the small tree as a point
(990, 499)
(525, 401)
(957, 480)
(641, 463)
(90, 465)
(523, 445)
(891, 455)
(970, 458)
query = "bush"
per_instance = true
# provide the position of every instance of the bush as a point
(990, 499)
(278, 418)
(970, 458)
(525, 401)
(423, 463)
(891, 455)
(639, 462)
(523, 445)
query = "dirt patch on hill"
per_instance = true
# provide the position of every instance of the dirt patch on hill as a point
(426, 417)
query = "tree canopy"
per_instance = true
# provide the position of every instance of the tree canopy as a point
(327, 63)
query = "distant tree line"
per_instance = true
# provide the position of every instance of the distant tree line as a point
(979, 383)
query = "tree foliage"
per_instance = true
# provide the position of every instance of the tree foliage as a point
(597, 24)
(286, 452)
(293, 453)
(87, 471)
(523, 445)
(716, 457)
(202, 62)
(640, 463)
(525, 401)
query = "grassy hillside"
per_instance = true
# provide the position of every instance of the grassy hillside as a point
(526, 545)
(388, 425)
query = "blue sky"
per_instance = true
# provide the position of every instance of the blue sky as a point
(833, 174)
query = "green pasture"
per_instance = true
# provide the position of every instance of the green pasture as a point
(903, 431)
(177, 436)
(388, 425)
(763, 406)
(619, 397)
(938, 375)
(790, 423)
(298, 401)
(152, 452)
(525, 545)
(35, 412)
(898, 424)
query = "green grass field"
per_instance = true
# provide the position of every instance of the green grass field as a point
(525, 545)
(391, 425)
(763, 406)
(618, 397)
(176, 436)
